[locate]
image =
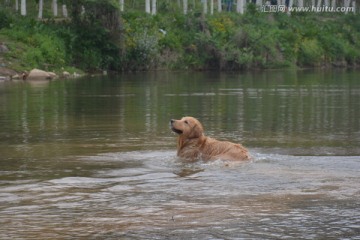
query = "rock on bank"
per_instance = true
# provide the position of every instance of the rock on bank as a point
(37, 74)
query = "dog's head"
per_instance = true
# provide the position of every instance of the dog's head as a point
(187, 127)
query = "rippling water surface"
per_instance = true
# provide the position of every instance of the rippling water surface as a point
(94, 159)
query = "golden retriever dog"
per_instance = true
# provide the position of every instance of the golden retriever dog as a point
(192, 144)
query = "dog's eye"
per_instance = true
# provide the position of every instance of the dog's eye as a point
(186, 122)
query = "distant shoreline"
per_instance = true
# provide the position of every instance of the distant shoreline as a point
(173, 41)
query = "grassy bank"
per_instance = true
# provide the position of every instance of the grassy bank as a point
(230, 41)
(225, 41)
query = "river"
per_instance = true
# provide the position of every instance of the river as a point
(93, 158)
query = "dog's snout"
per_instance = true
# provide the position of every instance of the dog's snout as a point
(172, 121)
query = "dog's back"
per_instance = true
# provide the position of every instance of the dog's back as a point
(206, 148)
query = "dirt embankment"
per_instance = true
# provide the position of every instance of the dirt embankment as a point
(5, 72)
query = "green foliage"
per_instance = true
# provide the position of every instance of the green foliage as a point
(231, 41)
(141, 42)
(311, 53)
(90, 47)
(142, 54)
(101, 38)
(92, 37)
(40, 46)
(5, 19)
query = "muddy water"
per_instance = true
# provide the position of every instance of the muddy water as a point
(94, 158)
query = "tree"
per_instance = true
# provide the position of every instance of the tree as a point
(319, 3)
(240, 6)
(347, 3)
(354, 6)
(55, 8)
(95, 33)
(333, 3)
(64, 11)
(121, 5)
(153, 8)
(205, 6)
(185, 3)
(41, 6)
(219, 5)
(16, 5)
(291, 2)
(147, 6)
(300, 3)
(23, 7)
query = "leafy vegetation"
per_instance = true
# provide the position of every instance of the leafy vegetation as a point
(104, 39)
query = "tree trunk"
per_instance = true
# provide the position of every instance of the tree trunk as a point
(240, 6)
(41, 6)
(121, 4)
(55, 8)
(205, 6)
(16, 5)
(319, 3)
(300, 3)
(333, 3)
(64, 11)
(185, 2)
(354, 6)
(219, 5)
(291, 3)
(347, 3)
(147, 6)
(23, 7)
(153, 9)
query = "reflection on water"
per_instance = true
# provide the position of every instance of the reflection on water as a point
(94, 159)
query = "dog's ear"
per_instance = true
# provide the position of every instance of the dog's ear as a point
(197, 129)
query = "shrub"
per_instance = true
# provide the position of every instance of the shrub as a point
(352, 54)
(310, 53)
(5, 19)
(333, 46)
(237, 58)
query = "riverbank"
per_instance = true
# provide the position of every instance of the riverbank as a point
(172, 41)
